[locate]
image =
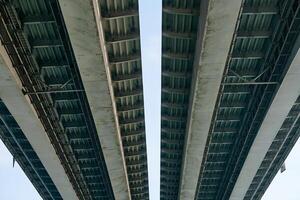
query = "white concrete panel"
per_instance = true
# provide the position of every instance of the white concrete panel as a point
(209, 64)
(80, 19)
(279, 109)
(24, 114)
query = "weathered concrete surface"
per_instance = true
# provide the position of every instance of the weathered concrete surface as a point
(213, 46)
(80, 17)
(284, 100)
(24, 114)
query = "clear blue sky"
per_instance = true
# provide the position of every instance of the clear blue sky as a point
(150, 21)
(285, 186)
(14, 185)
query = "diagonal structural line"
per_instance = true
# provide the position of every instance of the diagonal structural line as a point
(259, 75)
(239, 76)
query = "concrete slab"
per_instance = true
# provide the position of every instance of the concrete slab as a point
(216, 27)
(82, 20)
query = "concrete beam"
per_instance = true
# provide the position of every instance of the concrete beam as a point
(119, 14)
(284, 100)
(82, 26)
(180, 11)
(209, 64)
(254, 34)
(261, 10)
(23, 112)
(122, 38)
(38, 19)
